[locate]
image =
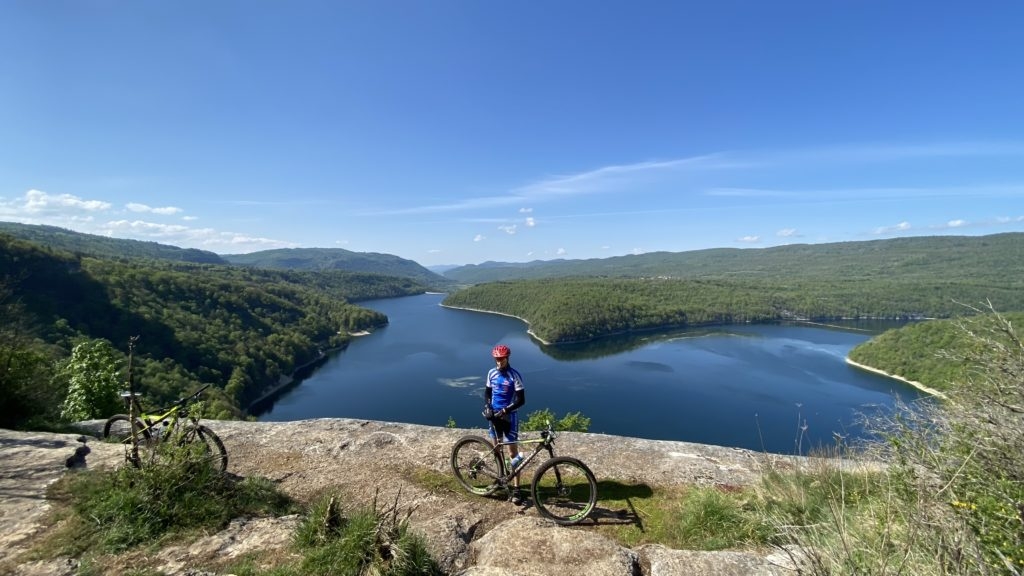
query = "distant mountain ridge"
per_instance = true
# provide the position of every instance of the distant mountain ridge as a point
(104, 246)
(303, 259)
(997, 256)
(340, 259)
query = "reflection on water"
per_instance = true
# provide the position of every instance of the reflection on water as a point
(765, 387)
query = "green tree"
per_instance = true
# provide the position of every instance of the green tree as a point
(93, 376)
(571, 422)
(29, 398)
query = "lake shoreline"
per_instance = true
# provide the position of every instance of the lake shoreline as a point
(913, 383)
(523, 320)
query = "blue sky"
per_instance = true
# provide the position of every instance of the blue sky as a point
(455, 132)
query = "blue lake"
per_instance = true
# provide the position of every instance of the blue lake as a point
(778, 388)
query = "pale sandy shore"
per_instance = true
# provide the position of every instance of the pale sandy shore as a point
(917, 385)
(523, 320)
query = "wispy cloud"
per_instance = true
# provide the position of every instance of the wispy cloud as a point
(178, 235)
(99, 217)
(629, 178)
(623, 177)
(882, 152)
(39, 203)
(828, 195)
(992, 222)
(788, 233)
(901, 227)
(749, 239)
(166, 210)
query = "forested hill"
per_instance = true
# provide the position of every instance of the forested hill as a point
(308, 259)
(104, 247)
(340, 259)
(933, 353)
(998, 258)
(561, 310)
(237, 328)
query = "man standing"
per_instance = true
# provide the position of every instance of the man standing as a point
(504, 394)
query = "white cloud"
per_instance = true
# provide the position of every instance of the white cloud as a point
(749, 239)
(561, 252)
(36, 203)
(166, 211)
(509, 229)
(530, 222)
(479, 238)
(787, 233)
(525, 210)
(901, 227)
(956, 223)
(69, 211)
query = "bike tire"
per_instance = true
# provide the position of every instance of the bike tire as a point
(117, 429)
(564, 490)
(212, 452)
(476, 465)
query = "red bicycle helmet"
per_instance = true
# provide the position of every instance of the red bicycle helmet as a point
(501, 351)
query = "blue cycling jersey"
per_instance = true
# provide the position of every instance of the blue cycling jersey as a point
(503, 385)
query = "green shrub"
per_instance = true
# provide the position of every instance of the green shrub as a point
(950, 496)
(370, 541)
(573, 421)
(93, 376)
(129, 506)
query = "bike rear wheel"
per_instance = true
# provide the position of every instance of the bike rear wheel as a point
(475, 464)
(564, 490)
(117, 428)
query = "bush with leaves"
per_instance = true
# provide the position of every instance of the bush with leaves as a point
(950, 498)
(372, 541)
(93, 378)
(572, 421)
(129, 506)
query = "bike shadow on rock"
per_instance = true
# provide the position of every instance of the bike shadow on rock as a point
(609, 491)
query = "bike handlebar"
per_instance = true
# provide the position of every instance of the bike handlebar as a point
(192, 397)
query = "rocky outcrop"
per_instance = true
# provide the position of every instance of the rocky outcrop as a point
(368, 460)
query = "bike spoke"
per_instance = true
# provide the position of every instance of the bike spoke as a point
(564, 490)
(475, 465)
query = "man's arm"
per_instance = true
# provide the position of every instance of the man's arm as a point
(519, 401)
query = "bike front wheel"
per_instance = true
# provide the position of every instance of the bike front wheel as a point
(203, 446)
(564, 490)
(476, 465)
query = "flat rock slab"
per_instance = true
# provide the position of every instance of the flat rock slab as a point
(369, 461)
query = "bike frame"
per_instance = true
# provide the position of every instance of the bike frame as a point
(545, 441)
(168, 418)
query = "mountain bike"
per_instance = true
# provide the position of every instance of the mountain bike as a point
(563, 488)
(175, 426)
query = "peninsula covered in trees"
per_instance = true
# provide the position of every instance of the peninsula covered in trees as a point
(897, 279)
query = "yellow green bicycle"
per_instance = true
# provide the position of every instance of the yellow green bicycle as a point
(176, 426)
